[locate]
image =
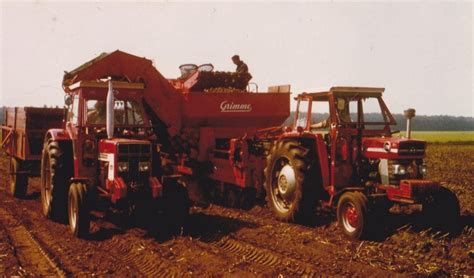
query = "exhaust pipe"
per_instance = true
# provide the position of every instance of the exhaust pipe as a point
(110, 111)
(409, 114)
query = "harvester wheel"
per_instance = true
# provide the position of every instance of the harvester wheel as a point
(353, 215)
(442, 211)
(291, 192)
(56, 170)
(18, 181)
(233, 196)
(78, 210)
(175, 207)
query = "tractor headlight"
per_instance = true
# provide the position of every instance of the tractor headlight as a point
(387, 146)
(122, 166)
(399, 169)
(423, 169)
(89, 146)
(144, 166)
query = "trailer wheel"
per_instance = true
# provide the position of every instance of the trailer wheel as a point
(18, 181)
(353, 215)
(78, 210)
(175, 207)
(56, 170)
(442, 211)
(291, 192)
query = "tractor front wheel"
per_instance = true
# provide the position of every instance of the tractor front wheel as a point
(441, 210)
(18, 180)
(352, 215)
(176, 206)
(78, 210)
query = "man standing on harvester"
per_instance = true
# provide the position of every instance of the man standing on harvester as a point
(242, 67)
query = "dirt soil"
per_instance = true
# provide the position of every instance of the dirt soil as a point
(220, 241)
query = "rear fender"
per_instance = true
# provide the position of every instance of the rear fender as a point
(61, 135)
(57, 134)
(316, 143)
(322, 152)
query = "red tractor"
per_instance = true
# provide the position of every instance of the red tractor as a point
(351, 160)
(105, 149)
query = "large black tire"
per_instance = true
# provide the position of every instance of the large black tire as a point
(78, 210)
(56, 171)
(176, 206)
(441, 210)
(291, 181)
(18, 181)
(353, 215)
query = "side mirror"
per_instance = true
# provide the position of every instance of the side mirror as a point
(68, 100)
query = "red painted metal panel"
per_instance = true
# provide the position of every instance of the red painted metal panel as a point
(156, 187)
(323, 160)
(236, 109)
(58, 134)
(410, 189)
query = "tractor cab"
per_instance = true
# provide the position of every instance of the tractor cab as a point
(355, 115)
(349, 110)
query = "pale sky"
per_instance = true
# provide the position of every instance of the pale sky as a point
(422, 53)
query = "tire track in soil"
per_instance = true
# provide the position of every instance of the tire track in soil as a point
(75, 255)
(319, 247)
(348, 250)
(29, 252)
(128, 252)
(9, 263)
(322, 257)
(136, 252)
(262, 256)
(185, 258)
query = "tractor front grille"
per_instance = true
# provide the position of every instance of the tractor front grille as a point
(134, 153)
(411, 167)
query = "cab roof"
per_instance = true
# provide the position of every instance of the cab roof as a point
(353, 92)
(105, 84)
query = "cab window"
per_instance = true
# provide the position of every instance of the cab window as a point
(73, 113)
(303, 107)
(126, 112)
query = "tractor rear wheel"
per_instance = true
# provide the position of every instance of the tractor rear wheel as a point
(78, 210)
(18, 180)
(175, 207)
(353, 215)
(56, 171)
(441, 210)
(291, 190)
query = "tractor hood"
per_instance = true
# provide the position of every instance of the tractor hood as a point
(393, 148)
(123, 145)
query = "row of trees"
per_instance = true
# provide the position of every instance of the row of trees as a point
(419, 123)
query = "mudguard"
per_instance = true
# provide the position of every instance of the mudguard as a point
(57, 134)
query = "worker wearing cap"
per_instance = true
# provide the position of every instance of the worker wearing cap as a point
(241, 66)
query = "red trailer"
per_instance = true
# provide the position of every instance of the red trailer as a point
(22, 140)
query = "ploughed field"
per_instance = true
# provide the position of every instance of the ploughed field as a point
(222, 241)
